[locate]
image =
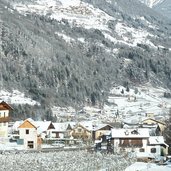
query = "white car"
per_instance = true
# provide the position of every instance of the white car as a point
(58, 144)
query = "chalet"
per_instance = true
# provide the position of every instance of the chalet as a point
(28, 136)
(151, 121)
(130, 139)
(139, 141)
(158, 143)
(44, 128)
(81, 132)
(62, 130)
(4, 119)
(100, 130)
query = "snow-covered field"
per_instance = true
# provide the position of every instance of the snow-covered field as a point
(63, 161)
(138, 101)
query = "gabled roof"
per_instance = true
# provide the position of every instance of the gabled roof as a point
(62, 127)
(80, 125)
(130, 133)
(101, 126)
(28, 123)
(5, 106)
(154, 121)
(16, 125)
(157, 140)
(43, 126)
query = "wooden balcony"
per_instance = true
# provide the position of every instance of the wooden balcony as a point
(4, 119)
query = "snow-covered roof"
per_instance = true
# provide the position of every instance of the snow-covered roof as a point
(154, 121)
(134, 120)
(16, 125)
(42, 126)
(157, 140)
(100, 126)
(130, 133)
(62, 127)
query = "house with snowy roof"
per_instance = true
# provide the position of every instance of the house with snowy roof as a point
(63, 129)
(81, 132)
(4, 119)
(28, 135)
(90, 130)
(102, 130)
(151, 121)
(130, 139)
(44, 128)
(139, 141)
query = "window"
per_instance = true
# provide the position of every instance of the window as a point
(141, 150)
(30, 144)
(27, 131)
(79, 129)
(153, 150)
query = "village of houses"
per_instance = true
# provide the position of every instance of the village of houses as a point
(145, 139)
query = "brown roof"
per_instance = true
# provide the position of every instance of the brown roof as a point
(5, 106)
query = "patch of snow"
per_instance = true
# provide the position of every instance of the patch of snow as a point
(133, 36)
(75, 11)
(16, 97)
(81, 39)
(140, 166)
(65, 37)
(152, 3)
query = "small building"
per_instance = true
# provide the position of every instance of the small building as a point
(28, 136)
(100, 130)
(81, 132)
(63, 129)
(44, 128)
(149, 115)
(151, 121)
(4, 119)
(158, 143)
(130, 139)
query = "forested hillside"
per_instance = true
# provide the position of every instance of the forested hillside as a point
(59, 62)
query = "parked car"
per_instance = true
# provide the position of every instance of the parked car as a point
(59, 144)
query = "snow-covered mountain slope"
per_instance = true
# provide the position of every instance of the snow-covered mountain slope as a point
(75, 11)
(161, 6)
(81, 14)
(135, 103)
(16, 97)
(151, 3)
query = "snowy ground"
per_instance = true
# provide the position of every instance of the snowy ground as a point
(16, 97)
(146, 99)
(63, 161)
(140, 166)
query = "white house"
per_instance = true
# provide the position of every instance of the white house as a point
(157, 146)
(130, 139)
(28, 136)
(4, 119)
(44, 128)
(139, 141)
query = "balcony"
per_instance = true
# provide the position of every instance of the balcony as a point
(4, 119)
